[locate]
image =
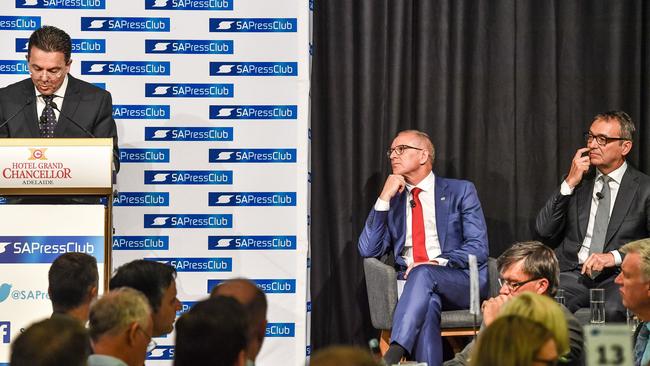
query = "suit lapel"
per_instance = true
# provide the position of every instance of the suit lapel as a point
(442, 210)
(584, 193)
(31, 116)
(626, 192)
(70, 104)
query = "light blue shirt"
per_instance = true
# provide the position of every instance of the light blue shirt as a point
(104, 360)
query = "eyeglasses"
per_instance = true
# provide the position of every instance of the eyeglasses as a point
(513, 286)
(602, 140)
(399, 150)
(152, 344)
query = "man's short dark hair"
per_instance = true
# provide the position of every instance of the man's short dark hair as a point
(51, 39)
(539, 262)
(624, 121)
(212, 332)
(56, 341)
(71, 276)
(149, 277)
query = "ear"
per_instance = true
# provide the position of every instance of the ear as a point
(241, 358)
(261, 331)
(92, 293)
(542, 286)
(424, 156)
(132, 334)
(626, 147)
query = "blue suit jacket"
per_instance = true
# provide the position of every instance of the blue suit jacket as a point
(459, 221)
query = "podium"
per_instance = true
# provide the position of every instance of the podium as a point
(56, 196)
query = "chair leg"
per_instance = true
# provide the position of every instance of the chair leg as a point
(384, 341)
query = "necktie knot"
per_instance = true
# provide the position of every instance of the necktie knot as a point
(416, 192)
(47, 98)
(605, 178)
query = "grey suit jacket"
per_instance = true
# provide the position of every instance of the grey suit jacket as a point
(86, 104)
(565, 218)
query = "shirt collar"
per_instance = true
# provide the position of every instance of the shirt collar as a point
(60, 93)
(427, 184)
(616, 175)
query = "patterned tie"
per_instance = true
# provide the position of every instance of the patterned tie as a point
(602, 218)
(417, 229)
(47, 122)
(641, 346)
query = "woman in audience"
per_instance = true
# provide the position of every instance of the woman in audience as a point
(544, 310)
(515, 341)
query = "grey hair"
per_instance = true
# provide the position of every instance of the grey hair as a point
(117, 310)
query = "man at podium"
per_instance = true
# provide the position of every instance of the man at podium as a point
(52, 103)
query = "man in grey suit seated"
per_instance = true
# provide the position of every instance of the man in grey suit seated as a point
(527, 267)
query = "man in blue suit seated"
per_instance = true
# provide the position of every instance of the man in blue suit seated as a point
(431, 224)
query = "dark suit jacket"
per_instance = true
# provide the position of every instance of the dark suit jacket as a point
(566, 217)
(459, 222)
(86, 104)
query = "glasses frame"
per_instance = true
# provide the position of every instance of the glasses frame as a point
(513, 286)
(602, 140)
(399, 150)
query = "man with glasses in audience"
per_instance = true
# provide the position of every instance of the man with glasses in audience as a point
(121, 328)
(53, 103)
(595, 211)
(430, 224)
(527, 267)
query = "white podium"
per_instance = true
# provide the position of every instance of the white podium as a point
(55, 197)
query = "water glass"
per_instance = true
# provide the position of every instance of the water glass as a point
(632, 320)
(597, 305)
(559, 296)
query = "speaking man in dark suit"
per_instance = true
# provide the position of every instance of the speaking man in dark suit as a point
(595, 212)
(430, 224)
(52, 103)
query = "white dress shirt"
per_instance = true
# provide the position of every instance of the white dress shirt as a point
(428, 201)
(614, 184)
(58, 99)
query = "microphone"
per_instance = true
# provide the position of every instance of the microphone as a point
(27, 102)
(412, 203)
(54, 106)
(599, 195)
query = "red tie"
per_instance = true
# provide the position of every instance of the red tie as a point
(417, 229)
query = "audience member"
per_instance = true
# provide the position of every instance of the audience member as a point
(254, 301)
(528, 267)
(212, 333)
(515, 341)
(157, 281)
(120, 328)
(57, 341)
(342, 356)
(73, 283)
(634, 282)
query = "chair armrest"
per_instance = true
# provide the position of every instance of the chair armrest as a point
(381, 283)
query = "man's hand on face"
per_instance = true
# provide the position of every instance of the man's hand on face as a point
(394, 184)
(596, 263)
(579, 166)
(492, 306)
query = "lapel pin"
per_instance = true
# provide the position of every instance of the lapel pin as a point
(442, 198)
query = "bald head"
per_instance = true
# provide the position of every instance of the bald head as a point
(254, 301)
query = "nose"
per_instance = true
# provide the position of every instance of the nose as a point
(504, 290)
(593, 144)
(619, 279)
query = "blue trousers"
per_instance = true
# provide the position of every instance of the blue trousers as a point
(429, 289)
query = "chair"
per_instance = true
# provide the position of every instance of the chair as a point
(382, 298)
